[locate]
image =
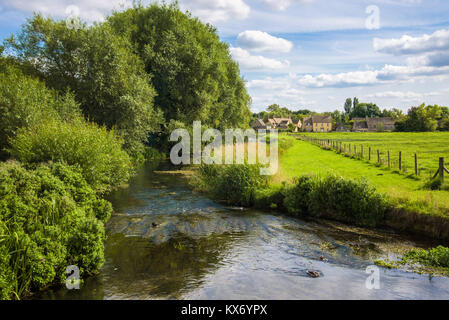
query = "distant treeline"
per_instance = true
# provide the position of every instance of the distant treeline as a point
(418, 119)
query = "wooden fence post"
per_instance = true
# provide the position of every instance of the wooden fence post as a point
(369, 152)
(362, 151)
(416, 164)
(400, 160)
(378, 156)
(441, 170)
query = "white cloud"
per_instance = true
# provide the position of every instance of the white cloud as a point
(250, 62)
(371, 77)
(437, 59)
(405, 96)
(284, 4)
(89, 10)
(217, 10)
(96, 10)
(437, 41)
(259, 41)
(347, 79)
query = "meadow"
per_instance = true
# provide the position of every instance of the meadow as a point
(429, 147)
(408, 192)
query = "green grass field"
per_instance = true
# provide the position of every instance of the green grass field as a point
(429, 146)
(306, 158)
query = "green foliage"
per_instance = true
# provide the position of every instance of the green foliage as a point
(193, 72)
(97, 151)
(50, 218)
(108, 80)
(347, 200)
(297, 197)
(333, 197)
(436, 257)
(270, 197)
(420, 119)
(236, 184)
(25, 101)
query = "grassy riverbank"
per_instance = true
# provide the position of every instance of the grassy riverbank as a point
(412, 207)
(429, 146)
(321, 183)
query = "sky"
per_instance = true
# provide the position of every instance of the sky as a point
(308, 53)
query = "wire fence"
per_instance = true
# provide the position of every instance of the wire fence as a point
(394, 160)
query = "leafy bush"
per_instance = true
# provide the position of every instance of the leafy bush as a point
(97, 151)
(270, 197)
(50, 218)
(25, 101)
(297, 197)
(437, 257)
(236, 183)
(336, 198)
(347, 200)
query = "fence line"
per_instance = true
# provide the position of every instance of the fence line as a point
(358, 151)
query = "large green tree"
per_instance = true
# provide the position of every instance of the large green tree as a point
(107, 78)
(193, 72)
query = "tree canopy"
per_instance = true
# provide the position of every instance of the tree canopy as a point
(192, 70)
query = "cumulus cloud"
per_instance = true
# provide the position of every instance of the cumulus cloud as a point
(284, 4)
(259, 41)
(371, 77)
(250, 62)
(347, 79)
(217, 10)
(437, 41)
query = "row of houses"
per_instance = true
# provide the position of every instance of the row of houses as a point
(325, 124)
(310, 124)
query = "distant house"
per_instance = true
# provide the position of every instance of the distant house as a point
(340, 127)
(281, 124)
(317, 124)
(373, 124)
(259, 125)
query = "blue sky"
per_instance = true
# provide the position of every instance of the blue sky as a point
(310, 53)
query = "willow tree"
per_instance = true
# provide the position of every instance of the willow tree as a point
(192, 70)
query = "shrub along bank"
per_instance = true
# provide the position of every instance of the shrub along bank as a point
(50, 218)
(330, 197)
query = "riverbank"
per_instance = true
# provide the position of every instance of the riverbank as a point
(331, 187)
(202, 249)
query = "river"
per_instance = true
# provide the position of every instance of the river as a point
(167, 242)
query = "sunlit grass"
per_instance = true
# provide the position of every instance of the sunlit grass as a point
(305, 158)
(429, 146)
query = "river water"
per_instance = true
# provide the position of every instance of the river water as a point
(167, 242)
